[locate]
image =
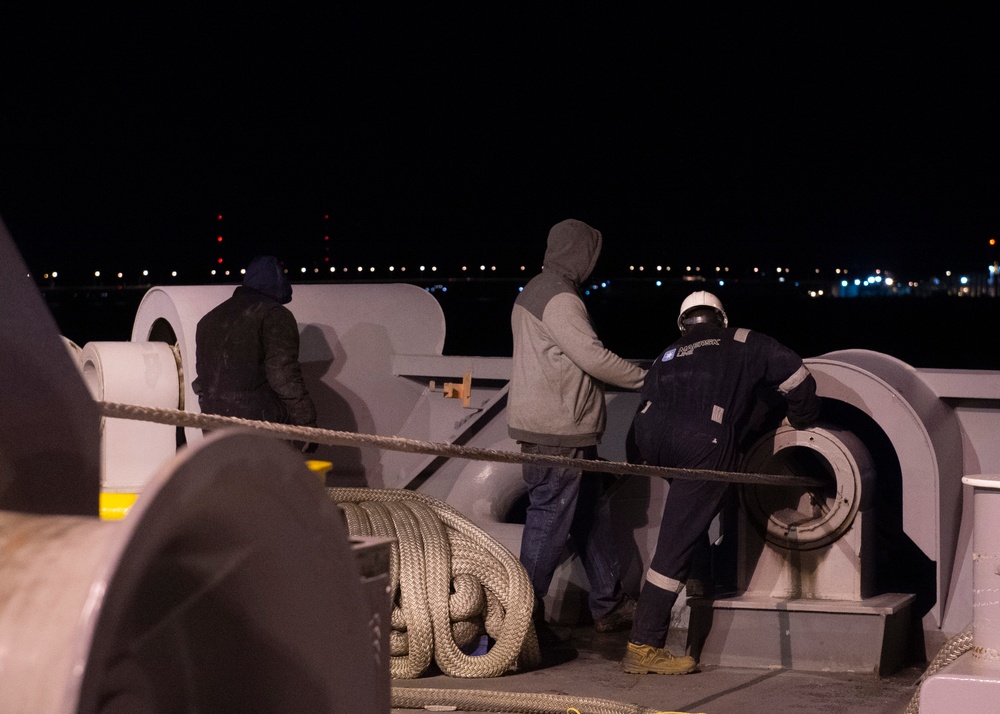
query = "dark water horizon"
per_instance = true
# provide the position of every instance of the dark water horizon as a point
(638, 320)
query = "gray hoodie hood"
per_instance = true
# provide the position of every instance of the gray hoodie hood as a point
(572, 251)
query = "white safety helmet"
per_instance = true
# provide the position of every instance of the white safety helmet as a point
(700, 299)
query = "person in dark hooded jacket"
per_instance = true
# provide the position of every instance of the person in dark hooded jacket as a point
(555, 406)
(247, 352)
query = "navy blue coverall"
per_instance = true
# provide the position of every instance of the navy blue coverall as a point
(696, 406)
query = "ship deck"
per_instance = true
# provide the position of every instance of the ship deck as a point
(595, 671)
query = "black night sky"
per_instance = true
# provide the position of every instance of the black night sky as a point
(814, 135)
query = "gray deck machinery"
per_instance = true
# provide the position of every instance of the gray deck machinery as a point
(231, 585)
(872, 570)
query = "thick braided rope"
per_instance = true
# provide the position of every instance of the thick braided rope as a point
(520, 702)
(949, 652)
(451, 583)
(176, 417)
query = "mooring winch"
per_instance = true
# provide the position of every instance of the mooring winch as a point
(806, 565)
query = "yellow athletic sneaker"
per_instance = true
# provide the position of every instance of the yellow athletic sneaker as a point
(643, 659)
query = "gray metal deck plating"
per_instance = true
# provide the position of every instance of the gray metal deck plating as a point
(596, 672)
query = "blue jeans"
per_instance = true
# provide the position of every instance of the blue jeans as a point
(566, 505)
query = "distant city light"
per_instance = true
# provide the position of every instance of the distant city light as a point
(659, 283)
(97, 273)
(173, 273)
(145, 273)
(964, 280)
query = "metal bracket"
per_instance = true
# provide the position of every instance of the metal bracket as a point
(453, 390)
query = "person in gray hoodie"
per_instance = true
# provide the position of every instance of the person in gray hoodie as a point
(555, 406)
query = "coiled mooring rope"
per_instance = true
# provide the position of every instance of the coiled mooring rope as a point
(176, 417)
(450, 583)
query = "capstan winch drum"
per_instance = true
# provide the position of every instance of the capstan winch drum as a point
(809, 542)
(806, 566)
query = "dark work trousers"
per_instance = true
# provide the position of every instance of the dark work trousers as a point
(690, 507)
(565, 504)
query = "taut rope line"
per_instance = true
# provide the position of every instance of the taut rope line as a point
(176, 417)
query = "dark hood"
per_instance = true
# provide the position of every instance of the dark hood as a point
(572, 251)
(265, 275)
